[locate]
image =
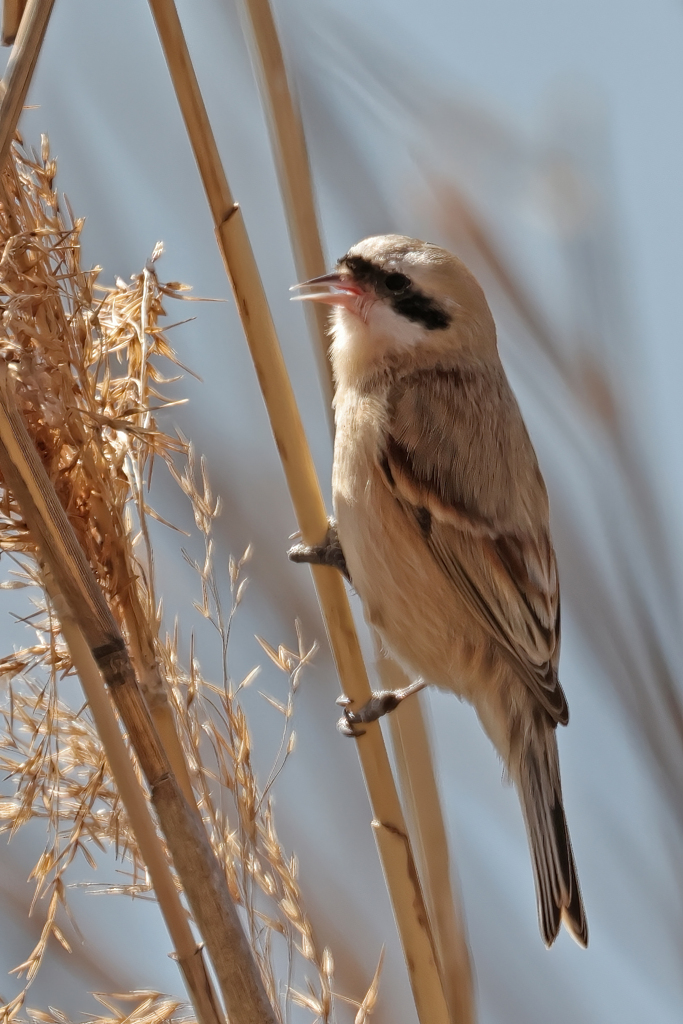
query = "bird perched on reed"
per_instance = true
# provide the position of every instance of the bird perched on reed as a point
(442, 522)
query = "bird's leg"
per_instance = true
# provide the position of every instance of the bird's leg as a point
(327, 553)
(381, 702)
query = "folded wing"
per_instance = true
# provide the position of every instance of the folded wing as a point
(459, 461)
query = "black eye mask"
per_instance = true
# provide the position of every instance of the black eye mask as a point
(404, 297)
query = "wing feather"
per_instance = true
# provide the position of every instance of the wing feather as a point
(459, 461)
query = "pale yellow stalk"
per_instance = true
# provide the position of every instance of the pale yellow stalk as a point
(20, 68)
(410, 734)
(412, 752)
(13, 90)
(293, 168)
(189, 954)
(12, 11)
(392, 839)
(201, 876)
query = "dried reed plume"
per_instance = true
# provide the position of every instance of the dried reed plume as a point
(87, 382)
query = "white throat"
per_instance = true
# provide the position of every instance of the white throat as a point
(361, 344)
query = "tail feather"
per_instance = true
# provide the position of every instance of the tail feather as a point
(557, 885)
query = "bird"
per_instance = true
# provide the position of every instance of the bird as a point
(441, 522)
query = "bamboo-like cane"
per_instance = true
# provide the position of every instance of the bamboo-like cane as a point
(423, 809)
(141, 642)
(200, 874)
(12, 11)
(13, 89)
(20, 68)
(392, 838)
(154, 690)
(293, 169)
(410, 734)
(189, 954)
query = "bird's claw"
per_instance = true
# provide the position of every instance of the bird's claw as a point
(347, 727)
(379, 705)
(328, 553)
(346, 724)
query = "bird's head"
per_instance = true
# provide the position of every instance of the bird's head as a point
(398, 299)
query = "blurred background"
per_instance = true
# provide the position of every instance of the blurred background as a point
(542, 142)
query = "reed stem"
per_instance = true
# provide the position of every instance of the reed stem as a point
(12, 11)
(294, 173)
(189, 954)
(410, 734)
(390, 830)
(20, 68)
(423, 811)
(200, 874)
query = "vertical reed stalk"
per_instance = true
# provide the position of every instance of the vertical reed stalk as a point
(423, 809)
(294, 173)
(390, 830)
(410, 734)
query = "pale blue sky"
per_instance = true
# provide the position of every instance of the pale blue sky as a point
(370, 77)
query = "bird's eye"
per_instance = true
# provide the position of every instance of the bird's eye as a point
(397, 282)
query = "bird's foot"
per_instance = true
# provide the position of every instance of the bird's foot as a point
(328, 553)
(380, 704)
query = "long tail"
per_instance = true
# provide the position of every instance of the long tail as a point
(558, 895)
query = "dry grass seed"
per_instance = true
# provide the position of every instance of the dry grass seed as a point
(86, 365)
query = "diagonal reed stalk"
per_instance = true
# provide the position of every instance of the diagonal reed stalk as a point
(87, 376)
(12, 11)
(647, 680)
(13, 90)
(189, 954)
(390, 830)
(195, 861)
(97, 436)
(409, 730)
(20, 68)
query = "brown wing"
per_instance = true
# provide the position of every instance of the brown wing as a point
(458, 459)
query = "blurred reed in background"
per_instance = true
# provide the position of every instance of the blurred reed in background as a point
(536, 218)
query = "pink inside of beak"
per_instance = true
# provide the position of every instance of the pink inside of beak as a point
(346, 291)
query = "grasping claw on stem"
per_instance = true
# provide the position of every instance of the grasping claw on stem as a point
(381, 702)
(328, 553)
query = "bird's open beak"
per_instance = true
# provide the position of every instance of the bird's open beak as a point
(341, 290)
